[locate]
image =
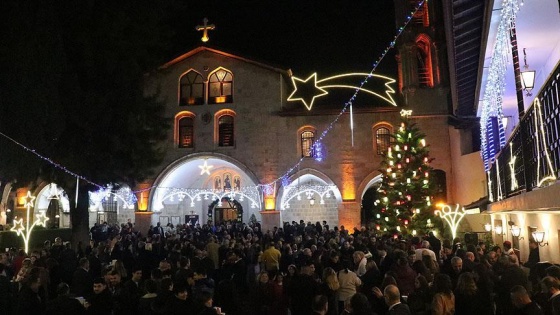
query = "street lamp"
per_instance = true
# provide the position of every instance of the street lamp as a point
(527, 76)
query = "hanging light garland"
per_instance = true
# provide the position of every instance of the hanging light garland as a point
(495, 85)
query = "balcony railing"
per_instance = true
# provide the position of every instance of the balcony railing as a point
(531, 157)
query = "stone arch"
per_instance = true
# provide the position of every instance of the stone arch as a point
(180, 189)
(54, 202)
(310, 196)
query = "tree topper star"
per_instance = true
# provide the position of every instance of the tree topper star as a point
(205, 168)
(310, 84)
(18, 227)
(406, 113)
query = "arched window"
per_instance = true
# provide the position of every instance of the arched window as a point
(307, 141)
(191, 89)
(184, 130)
(421, 17)
(382, 139)
(424, 62)
(226, 137)
(220, 86)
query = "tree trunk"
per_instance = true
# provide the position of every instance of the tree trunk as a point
(79, 214)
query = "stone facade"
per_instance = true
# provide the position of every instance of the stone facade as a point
(267, 139)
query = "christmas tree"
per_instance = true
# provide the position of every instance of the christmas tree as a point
(406, 192)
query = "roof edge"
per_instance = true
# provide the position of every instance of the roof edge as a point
(200, 49)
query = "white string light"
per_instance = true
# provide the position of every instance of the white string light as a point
(495, 85)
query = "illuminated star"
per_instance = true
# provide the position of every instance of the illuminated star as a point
(18, 227)
(308, 85)
(29, 199)
(42, 219)
(205, 168)
(310, 89)
(406, 113)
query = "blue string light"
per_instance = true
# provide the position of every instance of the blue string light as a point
(285, 177)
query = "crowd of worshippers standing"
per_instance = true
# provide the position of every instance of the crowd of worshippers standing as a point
(299, 268)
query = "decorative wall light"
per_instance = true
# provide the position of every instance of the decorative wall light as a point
(516, 231)
(538, 236)
(498, 229)
(527, 76)
(488, 227)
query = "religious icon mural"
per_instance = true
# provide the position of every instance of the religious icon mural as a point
(218, 183)
(236, 183)
(227, 181)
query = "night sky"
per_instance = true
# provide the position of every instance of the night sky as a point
(328, 37)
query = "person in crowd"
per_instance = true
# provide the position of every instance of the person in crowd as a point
(205, 306)
(271, 258)
(393, 300)
(510, 275)
(349, 283)
(523, 305)
(469, 261)
(320, 305)
(82, 281)
(466, 292)
(534, 256)
(359, 305)
(30, 300)
(553, 271)
(263, 295)
(5, 288)
(360, 262)
(280, 301)
(146, 302)
(508, 249)
(329, 288)
(180, 303)
(302, 289)
(64, 304)
(551, 286)
(100, 301)
(419, 301)
(443, 302)
(435, 244)
(456, 270)
(404, 274)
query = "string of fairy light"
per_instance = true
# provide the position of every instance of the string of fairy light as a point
(495, 85)
(283, 178)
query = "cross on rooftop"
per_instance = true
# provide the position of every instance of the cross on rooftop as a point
(204, 28)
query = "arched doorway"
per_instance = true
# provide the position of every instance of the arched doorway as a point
(369, 197)
(311, 196)
(53, 201)
(186, 189)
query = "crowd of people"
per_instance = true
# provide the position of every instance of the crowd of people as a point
(298, 269)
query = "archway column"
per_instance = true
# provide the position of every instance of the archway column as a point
(349, 214)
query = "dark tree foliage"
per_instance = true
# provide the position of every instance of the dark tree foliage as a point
(71, 88)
